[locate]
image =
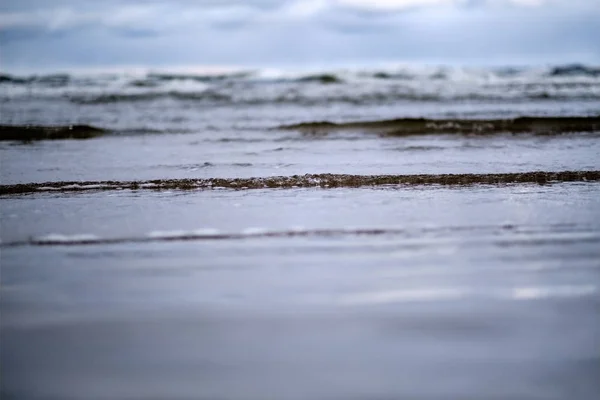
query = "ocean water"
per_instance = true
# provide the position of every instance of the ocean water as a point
(408, 232)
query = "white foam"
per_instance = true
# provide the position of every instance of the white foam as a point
(206, 232)
(298, 229)
(168, 234)
(182, 234)
(255, 231)
(74, 186)
(400, 296)
(60, 238)
(542, 292)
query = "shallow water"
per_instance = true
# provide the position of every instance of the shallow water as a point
(485, 290)
(276, 154)
(386, 290)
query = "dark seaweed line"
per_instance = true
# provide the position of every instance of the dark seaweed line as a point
(307, 181)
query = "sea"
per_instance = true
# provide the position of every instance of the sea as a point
(376, 233)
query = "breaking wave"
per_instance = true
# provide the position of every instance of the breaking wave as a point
(307, 181)
(375, 86)
(323, 76)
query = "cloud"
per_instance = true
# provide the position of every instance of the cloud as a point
(394, 5)
(261, 32)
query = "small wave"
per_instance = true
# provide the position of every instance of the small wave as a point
(6, 78)
(574, 70)
(542, 292)
(321, 78)
(52, 80)
(198, 234)
(206, 95)
(116, 98)
(255, 96)
(418, 148)
(204, 165)
(394, 76)
(36, 132)
(502, 235)
(422, 126)
(30, 133)
(456, 293)
(307, 181)
(199, 77)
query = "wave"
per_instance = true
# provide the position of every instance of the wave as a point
(392, 127)
(30, 133)
(401, 73)
(557, 232)
(53, 80)
(574, 70)
(422, 126)
(287, 96)
(503, 233)
(36, 132)
(199, 77)
(321, 78)
(206, 95)
(198, 234)
(307, 181)
(313, 88)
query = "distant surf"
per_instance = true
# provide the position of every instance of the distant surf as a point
(317, 87)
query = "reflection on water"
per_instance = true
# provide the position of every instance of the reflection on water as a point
(427, 293)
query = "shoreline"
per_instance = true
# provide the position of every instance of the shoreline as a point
(306, 181)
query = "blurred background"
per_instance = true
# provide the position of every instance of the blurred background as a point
(57, 34)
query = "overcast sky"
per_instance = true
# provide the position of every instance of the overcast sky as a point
(47, 34)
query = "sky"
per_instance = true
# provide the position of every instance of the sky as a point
(52, 34)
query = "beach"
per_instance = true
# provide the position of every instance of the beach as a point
(421, 233)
